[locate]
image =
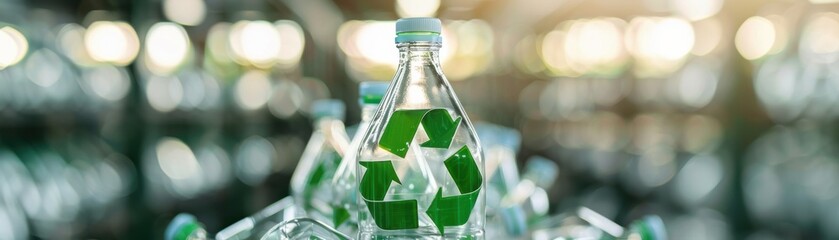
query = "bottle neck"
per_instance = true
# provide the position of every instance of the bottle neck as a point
(419, 53)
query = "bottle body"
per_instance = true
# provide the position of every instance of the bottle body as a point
(344, 184)
(420, 169)
(310, 183)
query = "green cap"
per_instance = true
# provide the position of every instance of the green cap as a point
(181, 227)
(371, 92)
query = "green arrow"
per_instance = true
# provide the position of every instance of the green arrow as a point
(393, 215)
(452, 210)
(339, 216)
(440, 128)
(390, 215)
(455, 210)
(403, 125)
(400, 130)
(377, 178)
(464, 170)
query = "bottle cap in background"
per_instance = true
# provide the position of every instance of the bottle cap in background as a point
(328, 108)
(542, 171)
(181, 227)
(371, 92)
(650, 228)
(418, 29)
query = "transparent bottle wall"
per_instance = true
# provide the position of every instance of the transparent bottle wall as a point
(420, 165)
(310, 183)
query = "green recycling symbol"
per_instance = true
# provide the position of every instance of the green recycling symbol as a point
(444, 210)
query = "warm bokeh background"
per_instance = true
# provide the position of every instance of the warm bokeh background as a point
(718, 115)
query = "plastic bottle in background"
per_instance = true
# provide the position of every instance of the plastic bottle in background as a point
(501, 144)
(310, 183)
(259, 224)
(420, 135)
(303, 228)
(185, 227)
(529, 198)
(588, 224)
(345, 205)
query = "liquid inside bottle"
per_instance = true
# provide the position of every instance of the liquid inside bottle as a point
(310, 183)
(420, 166)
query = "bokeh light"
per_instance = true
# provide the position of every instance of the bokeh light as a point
(417, 8)
(167, 47)
(820, 39)
(255, 42)
(112, 42)
(659, 45)
(253, 90)
(164, 94)
(594, 45)
(755, 38)
(696, 10)
(293, 41)
(186, 12)
(13, 46)
(108, 82)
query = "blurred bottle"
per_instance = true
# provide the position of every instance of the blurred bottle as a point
(185, 227)
(257, 225)
(501, 145)
(303, 229)
(310, 183)
(345, 206)
(530, 194)
(588, 224)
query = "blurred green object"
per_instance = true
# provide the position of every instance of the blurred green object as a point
(185, 227)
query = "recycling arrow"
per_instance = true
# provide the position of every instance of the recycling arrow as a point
(389, 215)
(455, 210)
(403, 125)
(400, 130)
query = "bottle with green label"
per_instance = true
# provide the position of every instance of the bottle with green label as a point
(310, 183)
(420, 166)
(344, 184)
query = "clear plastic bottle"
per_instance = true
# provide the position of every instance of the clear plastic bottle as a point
(345, 205)
(588, 224)
(501, 145)
(260, 223)
(530, 194)
(310, 183)
(420, 135)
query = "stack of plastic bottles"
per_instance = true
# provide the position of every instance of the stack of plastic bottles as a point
(403, 189)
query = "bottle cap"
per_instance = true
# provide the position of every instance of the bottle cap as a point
(371, 92)
(331, 108)
(542, 171)
(183, 223)
(418, 29)
(650, 228)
